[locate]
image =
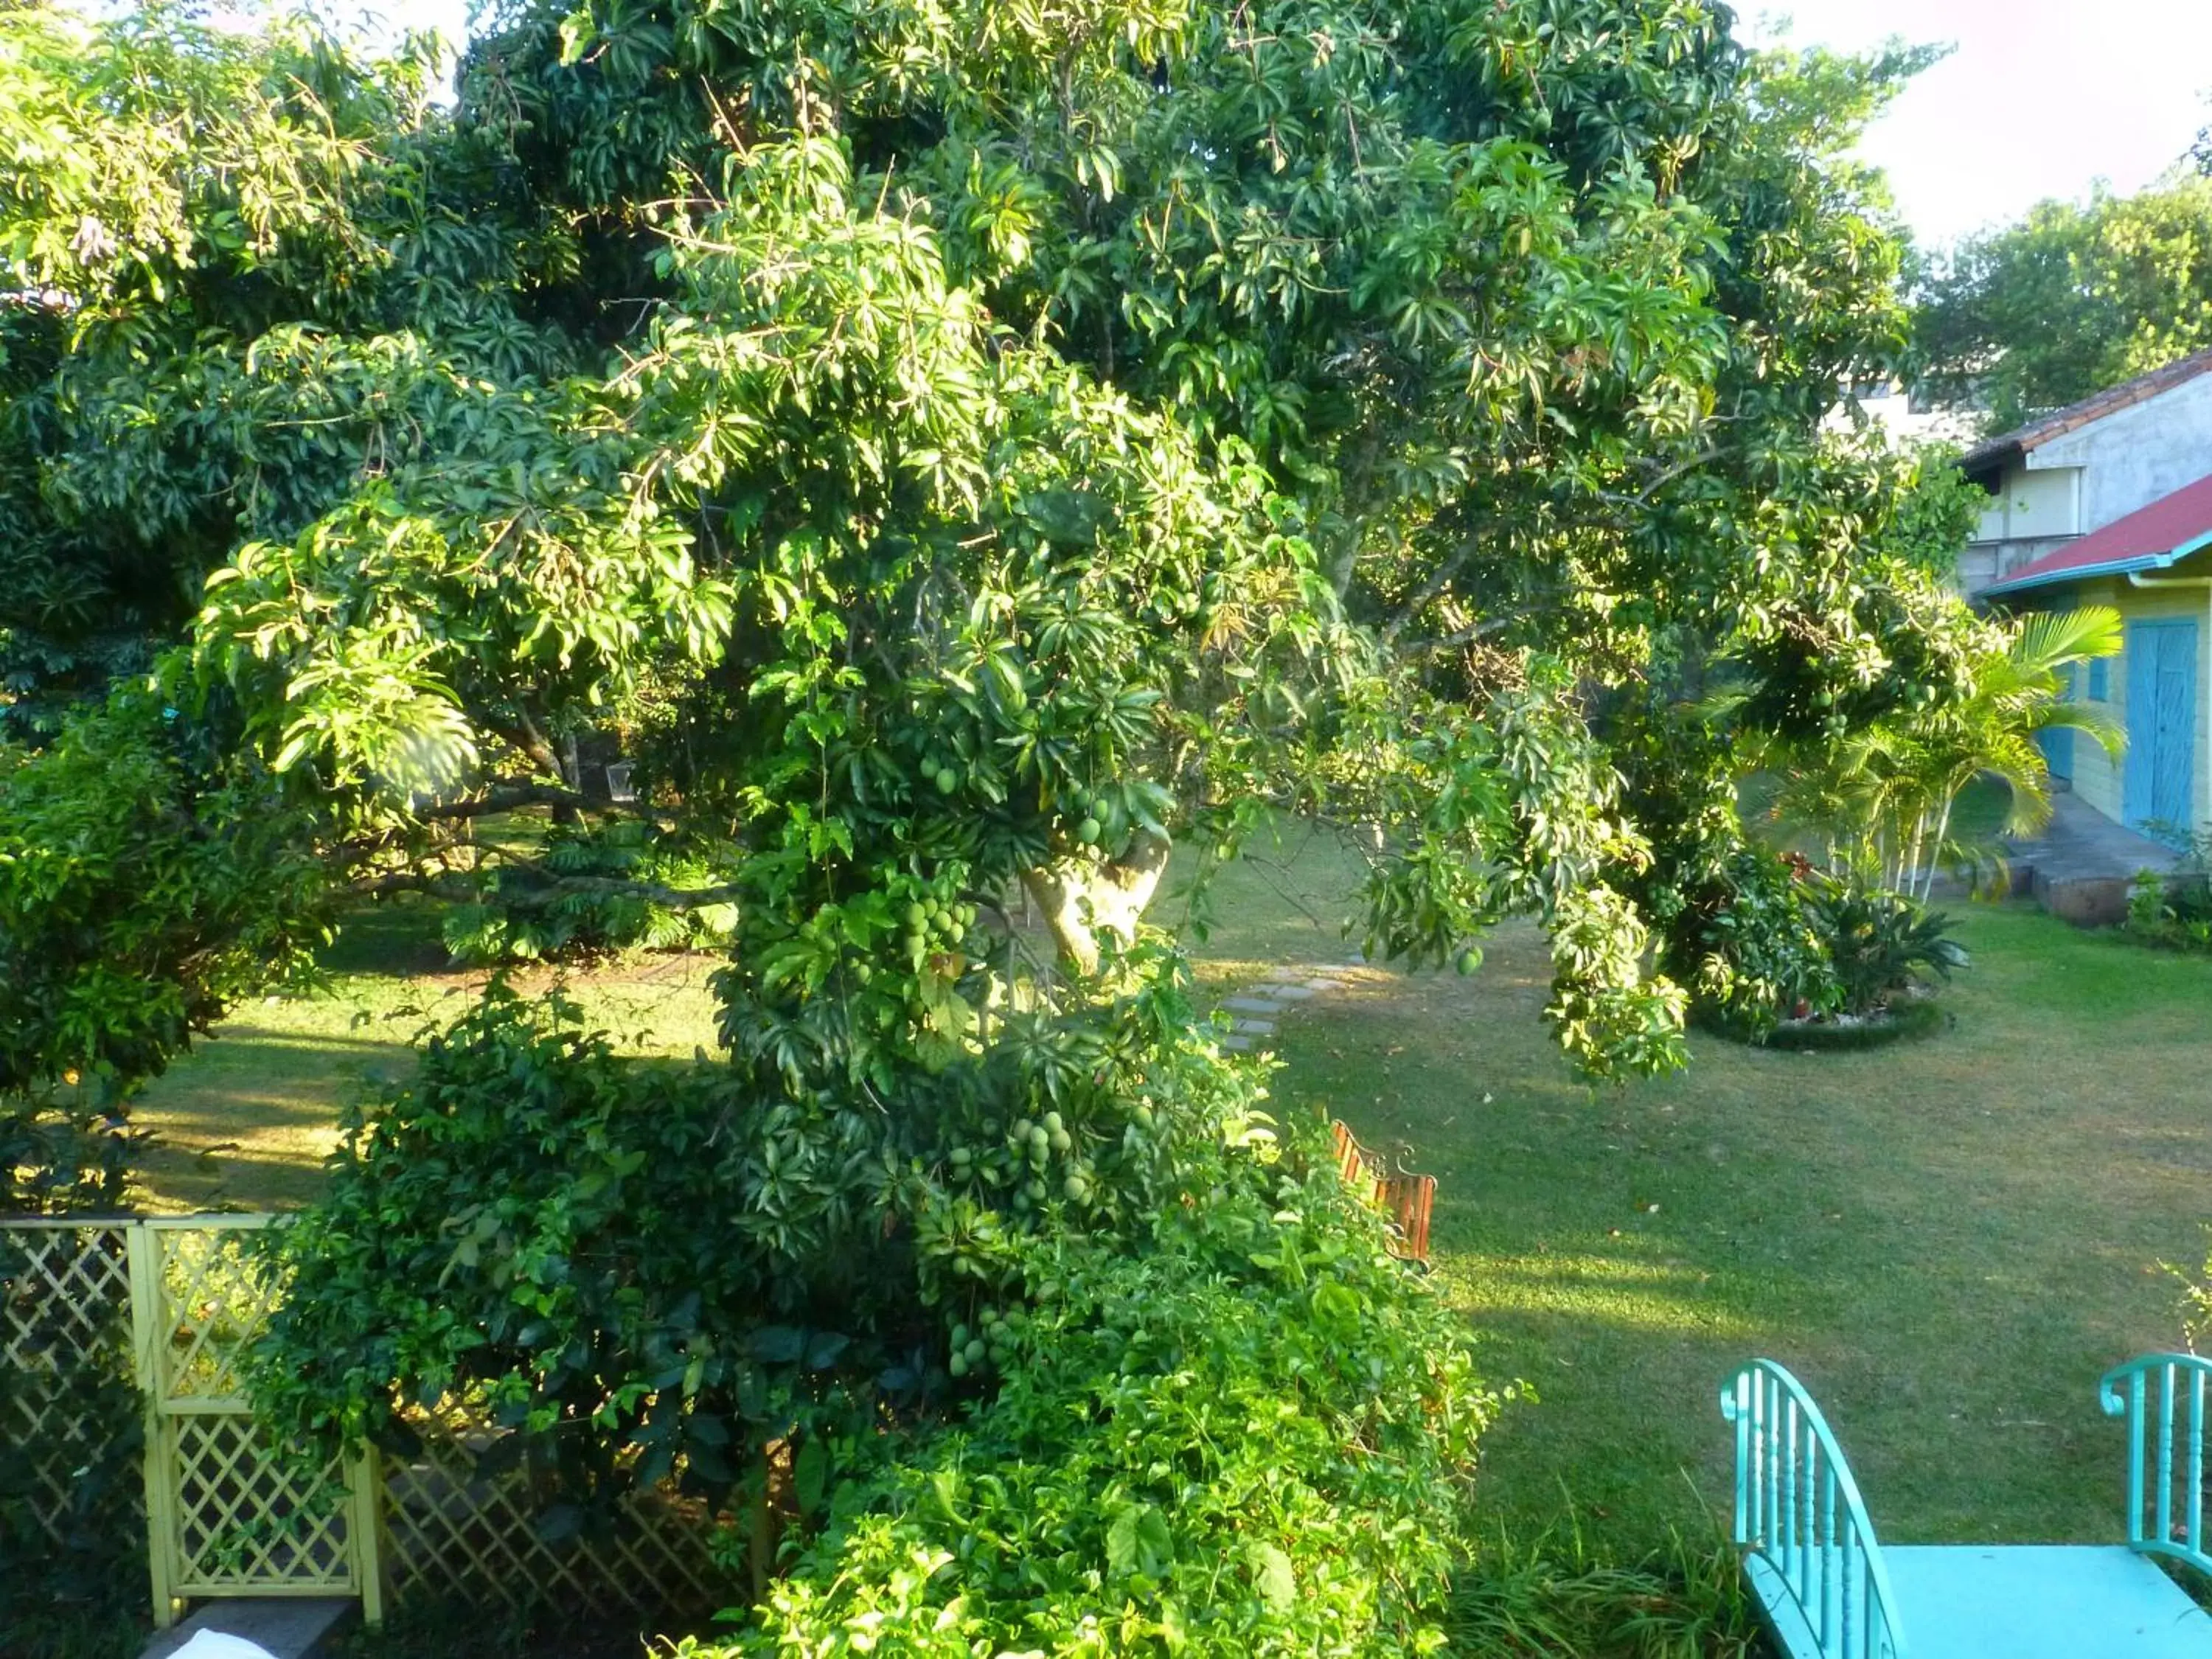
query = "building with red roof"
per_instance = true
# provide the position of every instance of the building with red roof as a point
(2111, 503)
(2079, 469)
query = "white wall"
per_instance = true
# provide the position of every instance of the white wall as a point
(2132, 458)
(2034, 503)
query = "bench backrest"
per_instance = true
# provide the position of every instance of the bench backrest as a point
(1800, 1521)
(1407, 1199)
(2162, 1397)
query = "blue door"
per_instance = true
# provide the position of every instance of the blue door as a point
(2161, 775)
(2058, 741)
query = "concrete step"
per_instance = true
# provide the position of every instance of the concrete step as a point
(283, 1626)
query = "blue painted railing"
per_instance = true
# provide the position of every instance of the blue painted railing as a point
(1801, 1522)
(2162, 1397)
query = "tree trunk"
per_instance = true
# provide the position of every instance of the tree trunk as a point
(1081, 900)
(1942, 833)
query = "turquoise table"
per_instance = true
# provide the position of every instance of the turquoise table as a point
(1830, 1591)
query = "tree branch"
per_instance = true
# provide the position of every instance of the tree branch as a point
(555, 889)
(1465, 636)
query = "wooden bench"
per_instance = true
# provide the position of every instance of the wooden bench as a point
(1406, 1199)
(1829, 1591)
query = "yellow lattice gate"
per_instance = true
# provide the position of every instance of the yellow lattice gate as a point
(226, 1514)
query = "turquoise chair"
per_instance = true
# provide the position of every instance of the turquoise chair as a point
(1828, 1590)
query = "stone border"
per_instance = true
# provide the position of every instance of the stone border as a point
(1255, 1011)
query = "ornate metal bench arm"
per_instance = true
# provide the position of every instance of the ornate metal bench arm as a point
(1809, 1549)
(2162, 1395)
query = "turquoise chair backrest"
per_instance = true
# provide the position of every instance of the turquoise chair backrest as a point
(1800, 1521)
(2162, 1397)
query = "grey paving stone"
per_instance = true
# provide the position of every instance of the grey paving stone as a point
(1236, 1045)
(1291, 993)
(1252, 1005)
(288, 1627)
(1254, 1027)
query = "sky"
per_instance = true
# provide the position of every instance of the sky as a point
(2040, 97)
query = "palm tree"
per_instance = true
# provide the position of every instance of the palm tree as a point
(1886, 797)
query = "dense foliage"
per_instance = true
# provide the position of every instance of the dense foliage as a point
(915, 442)
(955, 453)
(1174, 1386)
(1250, 1437)
(145, 884)
(2075, 298)
(2174, 912)
(1880, 945)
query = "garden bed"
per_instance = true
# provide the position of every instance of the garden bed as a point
(1917, 1016)
(1841, 1033)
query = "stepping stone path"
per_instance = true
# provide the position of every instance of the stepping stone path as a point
(1255, 1011)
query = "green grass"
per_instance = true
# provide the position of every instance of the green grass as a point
(1948, 1240)
(245, 1120)
(1287, 899)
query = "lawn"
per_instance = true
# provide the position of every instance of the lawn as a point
(245, 1120)
(1949, 1241)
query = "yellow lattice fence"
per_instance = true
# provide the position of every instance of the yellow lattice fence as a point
(458, 1524)
(225, 1514)
(65, 1364)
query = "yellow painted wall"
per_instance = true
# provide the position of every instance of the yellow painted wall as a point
(2097, 781)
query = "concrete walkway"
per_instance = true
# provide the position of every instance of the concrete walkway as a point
(1255, 1011)
(2080, 866)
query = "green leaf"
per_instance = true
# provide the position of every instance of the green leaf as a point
(1277, 1582)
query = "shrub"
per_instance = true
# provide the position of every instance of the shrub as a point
(1049, 1376)
(587, 894)
(1880, 943)
(2174, 915)
(1760, 958)
(65, 1148)
(1252, 1435)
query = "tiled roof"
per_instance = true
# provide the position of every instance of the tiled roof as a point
(1996, 450)
(2151, 537)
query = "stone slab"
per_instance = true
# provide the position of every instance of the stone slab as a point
(2085, 901)
(1254, 1027)
(288, 1626)
(1291, 993)
(2080, 865)
(1251, 1006)
(1237, 1045)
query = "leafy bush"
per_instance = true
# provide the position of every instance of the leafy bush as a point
(1069, 1326)
(590, 892)
(1254, 1435)
(1880, 943)
(1761, 959)
(64, 1148)
(145, 884)
(2175, 914)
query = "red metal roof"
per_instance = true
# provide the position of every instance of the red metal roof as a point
(2167, 531)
